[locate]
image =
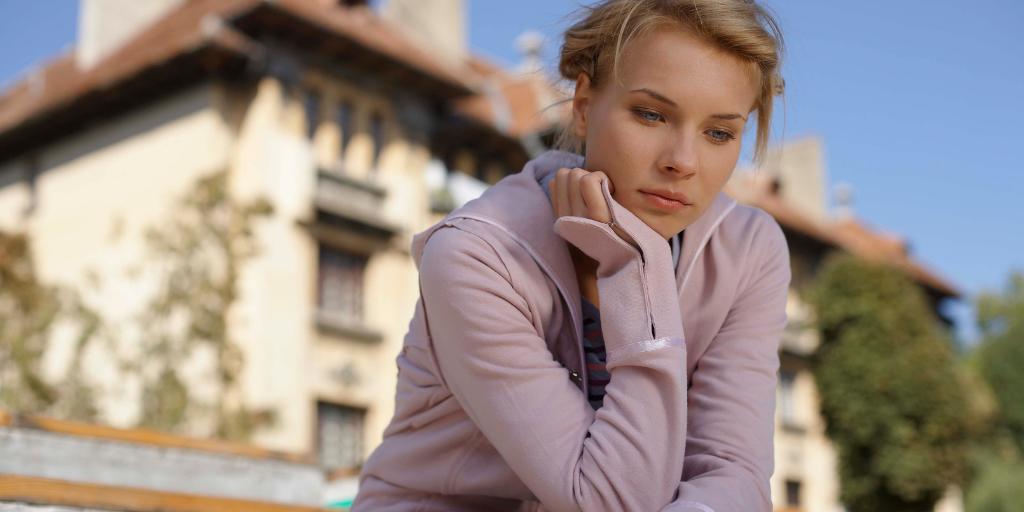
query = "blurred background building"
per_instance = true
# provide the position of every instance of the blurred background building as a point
(361, 127)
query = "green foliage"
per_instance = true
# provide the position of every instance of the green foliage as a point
(890, 394)
(197, 256)
(29, 314)
(997, 361)
(199, 253)
(1001, 352)
(998, 485)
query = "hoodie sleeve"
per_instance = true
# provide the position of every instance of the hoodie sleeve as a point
(729, 446)
(626, 456)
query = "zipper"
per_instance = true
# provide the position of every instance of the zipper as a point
(647, 298)
(639, 252)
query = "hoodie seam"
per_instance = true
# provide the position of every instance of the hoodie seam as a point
(577, 322)
(512, 280)
(703, 243)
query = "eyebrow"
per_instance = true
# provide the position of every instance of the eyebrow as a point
(667, 101)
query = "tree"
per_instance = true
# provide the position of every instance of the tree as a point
(997, 361)
(890, 392)
(1001, 352)
(199, 254)
(30, 312)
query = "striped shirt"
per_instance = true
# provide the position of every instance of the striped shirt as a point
(598, 375)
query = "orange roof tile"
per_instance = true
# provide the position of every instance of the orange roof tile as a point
(851, 235)
(182, 31)
(513, 104)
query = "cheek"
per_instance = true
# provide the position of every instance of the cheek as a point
(606, 150)
(621, 147)
(717, 165)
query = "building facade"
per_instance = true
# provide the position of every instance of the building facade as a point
(361, 127)
(792, 187)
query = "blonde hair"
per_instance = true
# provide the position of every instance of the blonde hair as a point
(744, 28)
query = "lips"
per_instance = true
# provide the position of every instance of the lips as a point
(668, 194)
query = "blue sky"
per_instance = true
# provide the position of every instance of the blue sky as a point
(920, 105)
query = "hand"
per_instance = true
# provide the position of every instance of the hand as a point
(578, 192)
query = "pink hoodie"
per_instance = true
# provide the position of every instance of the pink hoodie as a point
(491, 409)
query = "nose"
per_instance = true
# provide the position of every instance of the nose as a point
(680, 156)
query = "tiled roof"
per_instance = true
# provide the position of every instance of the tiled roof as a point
(517, 105)
(197, 25)
(60, 81)
(849, 234)
(374, 32)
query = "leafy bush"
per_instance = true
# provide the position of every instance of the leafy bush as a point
(890, 392)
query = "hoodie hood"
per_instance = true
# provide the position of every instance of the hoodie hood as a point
(519, 205)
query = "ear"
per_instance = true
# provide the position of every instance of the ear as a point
(580, 102)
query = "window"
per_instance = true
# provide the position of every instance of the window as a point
(341, 285)
(345, 115)
(377, 133)
(339, 435)
(787, 400)
(311, 104)
(792, 493)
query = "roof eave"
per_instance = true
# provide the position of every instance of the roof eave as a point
(223, 52)
(280, 21)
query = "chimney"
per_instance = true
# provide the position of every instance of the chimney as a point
(799, 170)
(440, 24)
(104, 26)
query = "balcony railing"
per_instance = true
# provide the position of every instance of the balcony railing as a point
(352, 199)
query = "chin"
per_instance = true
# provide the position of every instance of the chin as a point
(665, 226)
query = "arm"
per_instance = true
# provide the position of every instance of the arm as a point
(729, 447)
(627, 456)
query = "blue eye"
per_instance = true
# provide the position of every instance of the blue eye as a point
(723, 135)
(647, 115)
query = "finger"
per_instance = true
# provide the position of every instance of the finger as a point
(552, 196)
(579, 206)
(590, 187)
(560, 197)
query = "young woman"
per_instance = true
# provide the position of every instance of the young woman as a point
(573, 348)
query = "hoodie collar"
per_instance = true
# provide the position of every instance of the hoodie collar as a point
(519, 206)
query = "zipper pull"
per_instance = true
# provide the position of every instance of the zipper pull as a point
(575, 377)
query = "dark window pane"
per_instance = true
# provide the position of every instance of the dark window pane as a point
(311, 103)
(339, 436)
(792, 493)
(787, 399)
(345, 116)
(341, 284)
(377, 132)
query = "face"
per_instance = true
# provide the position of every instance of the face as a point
(671, 124)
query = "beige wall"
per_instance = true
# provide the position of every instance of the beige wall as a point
(100, 189)
(289, 162)
(96, 192)
(805, 455)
